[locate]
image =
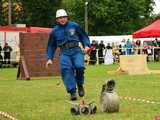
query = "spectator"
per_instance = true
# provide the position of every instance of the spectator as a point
(92, 53)
(7, 53)
(138, 49)
(101, 48)
(115, 51)
(108, 58)
(156, 49)
(120, 49)
(128, 47)
(145, 48)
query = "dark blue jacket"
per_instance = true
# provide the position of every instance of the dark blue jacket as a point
(61, 34)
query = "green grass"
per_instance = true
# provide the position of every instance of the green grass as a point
(42, 99)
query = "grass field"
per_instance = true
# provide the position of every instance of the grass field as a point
(42, 99)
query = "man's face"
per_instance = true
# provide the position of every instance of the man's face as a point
(62, 20)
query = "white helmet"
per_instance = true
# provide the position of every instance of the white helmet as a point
(61, 13)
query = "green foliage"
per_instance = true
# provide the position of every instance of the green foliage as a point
(111, 17)
(155, 17)
(31, 13)
(40, 12)
(0, 12)
(3, 13)
(16, 12)
(105, 17)
(75, 9)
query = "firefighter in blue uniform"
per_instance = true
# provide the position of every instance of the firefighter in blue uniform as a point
(68, 35)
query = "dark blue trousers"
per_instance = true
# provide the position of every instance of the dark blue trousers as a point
(72, 68)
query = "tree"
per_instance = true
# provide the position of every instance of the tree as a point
(75, 9)
(30, 12)
(0, 12)
(16, 12)
(108, 17)
(120, 16)
(4, 12)
(155, 16)
(40, 12)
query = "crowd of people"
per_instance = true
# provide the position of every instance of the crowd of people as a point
(5, 58)
(108, 54)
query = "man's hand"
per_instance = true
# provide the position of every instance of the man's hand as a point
(86, 49)
(49, 62)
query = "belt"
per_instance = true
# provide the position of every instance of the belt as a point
(70, 44)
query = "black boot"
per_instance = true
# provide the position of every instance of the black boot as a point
(73, 97)
(81, 91)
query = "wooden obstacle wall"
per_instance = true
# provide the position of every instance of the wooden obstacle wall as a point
(134, 64)
(33, 56)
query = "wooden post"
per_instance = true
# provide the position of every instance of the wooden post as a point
(23, 68)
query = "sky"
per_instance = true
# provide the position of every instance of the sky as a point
(157, 7)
